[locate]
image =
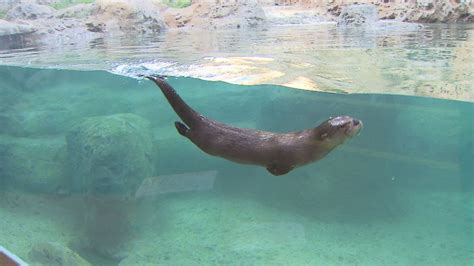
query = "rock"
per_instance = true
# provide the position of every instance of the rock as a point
(6, 5)
(236, 14)
(442, 11)
(110, 154)
(217, 14)
(358, 15)
(366, 17)
(76, 11)
(30, 12)
(410, 11)
(55, 254)
(34, 164)
(96, 27)
(126, 16)
(12, 3)
(11, 28)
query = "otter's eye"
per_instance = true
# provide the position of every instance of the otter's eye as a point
(344, 124)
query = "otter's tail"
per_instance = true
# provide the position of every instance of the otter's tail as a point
(184, 111)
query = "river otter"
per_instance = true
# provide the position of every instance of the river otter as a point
(279, 153)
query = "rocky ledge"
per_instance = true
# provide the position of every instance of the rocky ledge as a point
(105, 17)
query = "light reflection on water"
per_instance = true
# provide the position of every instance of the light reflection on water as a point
(435, 61)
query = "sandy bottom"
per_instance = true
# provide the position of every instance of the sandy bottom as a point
(434, 228)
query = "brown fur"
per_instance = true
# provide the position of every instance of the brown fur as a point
(278, 152)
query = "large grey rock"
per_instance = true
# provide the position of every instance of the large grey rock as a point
(10, 28)
(30, 11)
(110, 154)
(358, 15)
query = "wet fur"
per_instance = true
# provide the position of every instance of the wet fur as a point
(278, 152)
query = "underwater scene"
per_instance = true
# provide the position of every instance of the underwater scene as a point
(94, 170)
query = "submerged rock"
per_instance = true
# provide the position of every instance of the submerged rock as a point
(30, 12)
(110, 154)
(55, 254)
(33, 164)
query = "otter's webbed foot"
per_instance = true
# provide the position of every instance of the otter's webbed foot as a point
(276, 169)
(182, 128)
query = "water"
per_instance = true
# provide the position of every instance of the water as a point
(400, 193)
(435, 61)
(91, 161)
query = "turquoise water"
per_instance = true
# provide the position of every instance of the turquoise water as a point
(92, 162)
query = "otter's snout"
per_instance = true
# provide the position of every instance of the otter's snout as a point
(354, 128)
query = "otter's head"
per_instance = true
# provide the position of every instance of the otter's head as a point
(336, 130)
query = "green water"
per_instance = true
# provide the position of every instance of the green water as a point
(401, 193)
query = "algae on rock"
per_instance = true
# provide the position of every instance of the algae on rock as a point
(34, 164)
(110, 154)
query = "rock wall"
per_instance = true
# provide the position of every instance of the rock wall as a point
(151, 16)
(406, 10)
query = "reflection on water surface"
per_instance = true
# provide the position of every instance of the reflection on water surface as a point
(435, 61)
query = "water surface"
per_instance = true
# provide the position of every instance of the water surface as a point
(435, 61)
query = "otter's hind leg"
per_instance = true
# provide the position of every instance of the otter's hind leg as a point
(182, 128)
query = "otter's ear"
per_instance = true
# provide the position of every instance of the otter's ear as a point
(323, 136)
